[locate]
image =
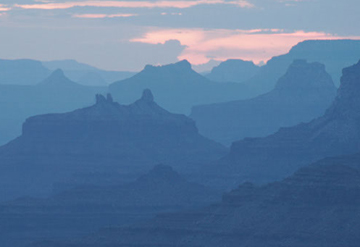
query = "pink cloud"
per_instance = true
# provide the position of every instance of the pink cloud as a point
(100, 16)
(132, 4)
(221, 44)
(4, 8)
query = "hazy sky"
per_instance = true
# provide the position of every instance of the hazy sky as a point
(126, 35)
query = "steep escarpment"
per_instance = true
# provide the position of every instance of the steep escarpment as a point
(335, 133)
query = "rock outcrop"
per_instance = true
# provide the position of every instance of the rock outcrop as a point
(302, 94)
(106, 137)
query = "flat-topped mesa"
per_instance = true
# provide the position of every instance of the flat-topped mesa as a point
(105, 137)
(110, 128)
(301, 77)
(233, 70)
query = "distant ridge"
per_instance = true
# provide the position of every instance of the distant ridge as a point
(233, 70)
(22, 72)
(334, 54)
(177, 87)
(85, 74)
(58, 79)
(302, 94)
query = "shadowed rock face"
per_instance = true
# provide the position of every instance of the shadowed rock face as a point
(280, 154)
(317, 206)
(302, 94)
(177, 87)
(106, 137)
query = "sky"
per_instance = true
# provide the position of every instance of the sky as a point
(128, 34)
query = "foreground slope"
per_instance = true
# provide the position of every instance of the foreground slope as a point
(85, 209)
(302, 94)
(317, 206)
(104, 138)
(177, 87)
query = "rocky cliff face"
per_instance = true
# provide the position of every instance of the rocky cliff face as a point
(302, 94)
(317, 206)
(105, 137)
(177, 87)
(335, 133)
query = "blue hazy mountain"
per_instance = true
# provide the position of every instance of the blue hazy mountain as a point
(233, 70)
(22, 72)
(336, 133)
(334, 54)
(104, 138)
(85, 74)
(56, 93)
(177, 87)
(206, 68)
(85, 209)
(302, 94)
(316, 206)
